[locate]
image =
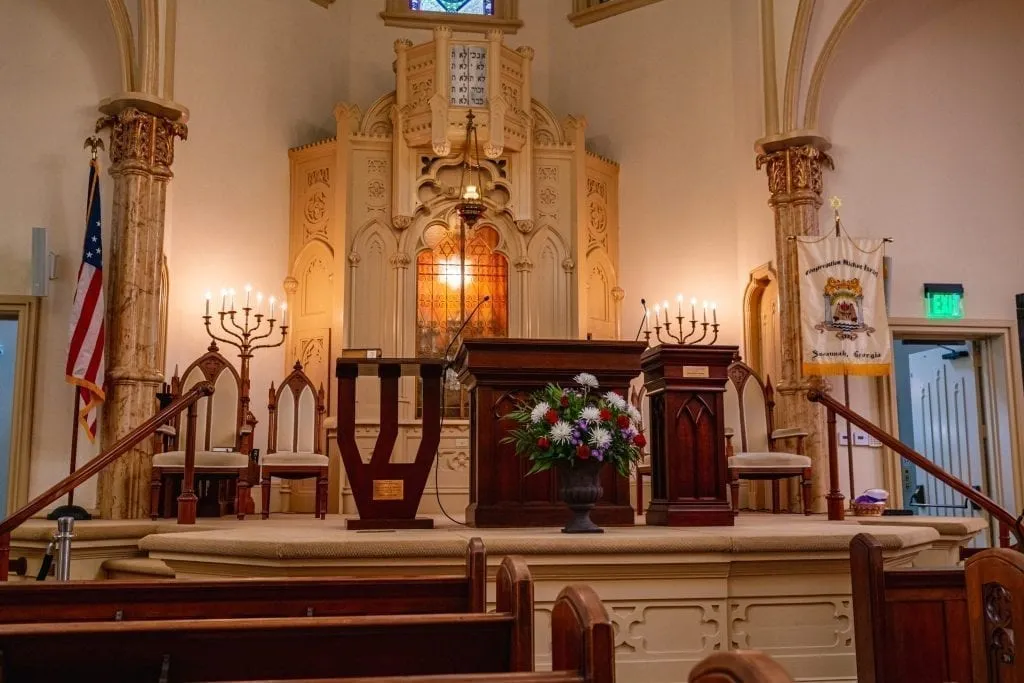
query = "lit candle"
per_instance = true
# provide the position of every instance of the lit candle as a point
(679, 300)
(705, 311)
(714, 312)
(647, 320)
(284, 314)
(657, 313)
(207, 303)
(471, 193)
(223, 299)
(664, 307)
(231, 293)
(272, 304)
(248, 292)
(693, 309)
(259, 302)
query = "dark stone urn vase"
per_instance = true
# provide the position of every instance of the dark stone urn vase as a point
(581, 489)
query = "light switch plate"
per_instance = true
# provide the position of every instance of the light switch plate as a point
(860, 439)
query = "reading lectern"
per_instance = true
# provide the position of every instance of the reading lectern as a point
(498, 372)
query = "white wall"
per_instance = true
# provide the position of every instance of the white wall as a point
(924, 110)
(656, 86)
(57, 60)
(259, 77)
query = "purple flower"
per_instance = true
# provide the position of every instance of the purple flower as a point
(597, 455)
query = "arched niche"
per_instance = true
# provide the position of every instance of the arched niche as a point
(602, 314)
(371, 288)
(548, 312)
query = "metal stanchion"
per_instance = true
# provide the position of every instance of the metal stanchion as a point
(65, 529)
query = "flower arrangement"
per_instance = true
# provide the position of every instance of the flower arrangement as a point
(569, 426)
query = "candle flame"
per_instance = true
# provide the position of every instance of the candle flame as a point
(679, 298)
(208, 296)
(248, 288)
(693, 302)
(714, 306)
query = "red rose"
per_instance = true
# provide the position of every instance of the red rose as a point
(639, 440)
(622, 421)
(606, 414)
(551, 416)
(583, 451)
(564, 400)
(543, 442)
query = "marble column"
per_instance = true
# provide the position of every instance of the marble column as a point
(141, 153)
(794, 166)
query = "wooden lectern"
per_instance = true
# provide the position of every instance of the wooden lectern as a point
(388, 493)
(689, 479)
(499, 372)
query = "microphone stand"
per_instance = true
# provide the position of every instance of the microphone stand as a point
(458, 333)
(643, 303)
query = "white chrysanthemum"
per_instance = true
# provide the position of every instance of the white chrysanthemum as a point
(586, 379)
(539, 411)
(590, 414)
(561, 432)
(634, 414)
(617, 401)
(600, 438)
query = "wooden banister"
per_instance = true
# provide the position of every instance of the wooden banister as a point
(1006, 520)
(91, 468)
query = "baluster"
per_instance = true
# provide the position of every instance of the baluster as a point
(836, 509)
(187, 500)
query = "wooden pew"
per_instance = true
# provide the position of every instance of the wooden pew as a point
(582, 648)
(739, 666)
(909, 624)
(25, 602)
(295, 648)
(995, 606)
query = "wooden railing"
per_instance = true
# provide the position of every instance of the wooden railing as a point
(834, 497)
(186, 501)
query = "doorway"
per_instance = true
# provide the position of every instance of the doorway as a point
(8, 359)
(954, 405)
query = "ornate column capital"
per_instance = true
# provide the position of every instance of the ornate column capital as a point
(524, 265)
(794, 166)
(141, 139)
(400, 261)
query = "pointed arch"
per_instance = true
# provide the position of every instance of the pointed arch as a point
(601, 280)
(546, 128)
(370, 287)
(548, 309)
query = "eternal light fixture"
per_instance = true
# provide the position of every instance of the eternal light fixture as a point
(470, 206)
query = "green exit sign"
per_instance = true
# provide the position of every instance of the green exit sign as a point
(944, 301)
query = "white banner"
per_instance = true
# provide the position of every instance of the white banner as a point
(842, 306)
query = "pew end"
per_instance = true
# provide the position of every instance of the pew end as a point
(739, 666)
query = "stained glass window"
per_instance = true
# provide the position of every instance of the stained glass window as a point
(440, 300)
(479, 7)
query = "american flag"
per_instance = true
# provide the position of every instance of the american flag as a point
(85, 354)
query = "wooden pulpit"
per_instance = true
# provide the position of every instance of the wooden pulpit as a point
(689, 479)
(499, 372)
(387, 493)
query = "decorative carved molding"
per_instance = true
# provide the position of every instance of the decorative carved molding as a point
(547, 174)
(568, 265)
(140, 138)
(795, 172)
(618, 293)
(523, 265)
(291, 285)
(400, 260)
(588, 11)
(401, 222)
(354, 258)
(454, 461)
(525, 226)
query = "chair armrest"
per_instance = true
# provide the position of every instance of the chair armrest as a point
(729, 431)
(789, 433)
(167, 430)
(246, 429)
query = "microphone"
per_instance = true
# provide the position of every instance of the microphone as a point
(643, 302)
(462, 327)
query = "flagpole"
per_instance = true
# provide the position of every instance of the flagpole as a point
(74, 442)
(836, 203)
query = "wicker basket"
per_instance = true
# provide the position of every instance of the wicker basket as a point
(868, 509)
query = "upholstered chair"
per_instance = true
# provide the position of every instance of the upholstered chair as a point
(223, 439)
(294, 442)
(753, 442)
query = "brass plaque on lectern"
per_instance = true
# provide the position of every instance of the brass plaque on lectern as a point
(695, 371)
(388, 489)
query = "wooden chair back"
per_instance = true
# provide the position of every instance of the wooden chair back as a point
(995, 606)
(296, 411)
(739, 666)
(220, 419)
(79, 601)
(748, 409)
(287, 648)
(896, 610)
